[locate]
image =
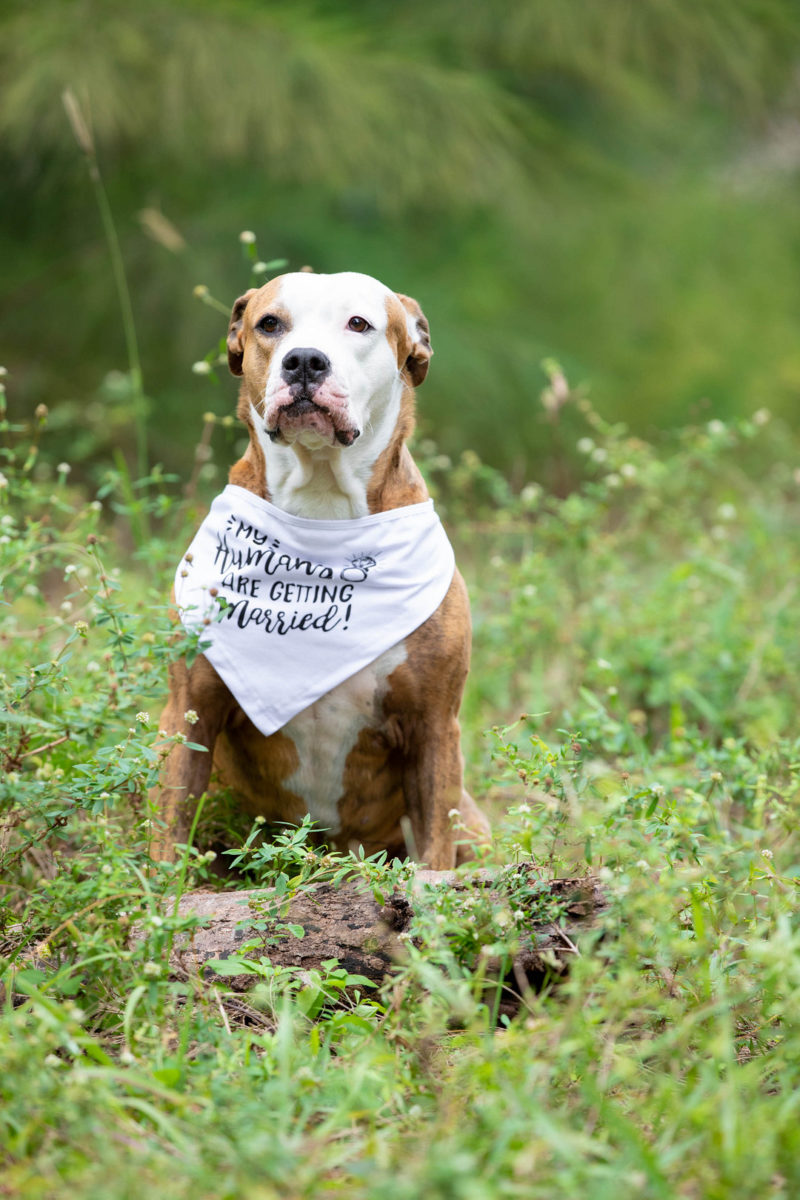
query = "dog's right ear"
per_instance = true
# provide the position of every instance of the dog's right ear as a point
(235, 340)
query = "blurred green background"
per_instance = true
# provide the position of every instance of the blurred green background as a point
(609, 184)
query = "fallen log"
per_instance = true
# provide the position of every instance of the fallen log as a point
(369, 938)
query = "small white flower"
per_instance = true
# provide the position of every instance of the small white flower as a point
(63, 468)
(3, 480)
(766, 854)
(496, 561)
(762, 416)
(454, 812)
(628, 471)
(530, 493)
(519, 915)
(726, 512)
(201, 368)
(604, 664)
(70, 569)
(260, 268)
(658, 789)
(586, 445)
(529, 590)
(613, 480)
(106, 869)
(156, 921)
(612, 692)
(715, 427)
(599, 455)
(210, 855)
(259, 820)
(716, 776)
(66, 606)
(96, 506)
(247, 237)
(151, 970)
(190, 717)
(52, 1060)
(126, 1058)
(92, 667)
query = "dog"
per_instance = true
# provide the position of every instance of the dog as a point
(329, 365)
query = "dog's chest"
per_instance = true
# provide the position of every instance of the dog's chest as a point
(325, 733)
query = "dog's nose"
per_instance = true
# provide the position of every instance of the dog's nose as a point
(305, 366)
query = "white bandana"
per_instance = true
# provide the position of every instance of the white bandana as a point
(296, 606)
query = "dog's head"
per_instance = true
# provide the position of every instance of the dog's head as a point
(322, 356)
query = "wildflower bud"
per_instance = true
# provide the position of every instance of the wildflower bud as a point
(91, 539)
(190, 717)
(41, 412)
(247, 237)
(202, 367)
(209, 418)
(260, 268)
(200, 291)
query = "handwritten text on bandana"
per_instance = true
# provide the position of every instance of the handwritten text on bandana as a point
(291, 607)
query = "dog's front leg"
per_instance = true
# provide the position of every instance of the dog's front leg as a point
(433, 787)
(198, 706)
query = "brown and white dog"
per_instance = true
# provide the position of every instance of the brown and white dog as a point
(329, 364)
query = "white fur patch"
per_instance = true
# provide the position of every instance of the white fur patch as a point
(326, 732)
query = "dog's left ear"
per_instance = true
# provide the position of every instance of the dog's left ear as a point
(419, 331)
(235, 340)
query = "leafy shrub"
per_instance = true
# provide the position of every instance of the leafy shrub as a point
(645, 626)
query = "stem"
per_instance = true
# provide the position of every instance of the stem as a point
(85, 140)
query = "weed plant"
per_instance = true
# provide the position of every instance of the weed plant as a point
(636, 664)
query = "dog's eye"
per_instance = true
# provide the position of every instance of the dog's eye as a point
(269, 323)
(358, 324)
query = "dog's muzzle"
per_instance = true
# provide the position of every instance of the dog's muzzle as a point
(310, 401)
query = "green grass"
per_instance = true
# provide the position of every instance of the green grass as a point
(636, 665)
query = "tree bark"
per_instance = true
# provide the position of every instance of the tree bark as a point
(346, 923)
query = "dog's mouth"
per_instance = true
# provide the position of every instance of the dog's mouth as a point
(303, 416)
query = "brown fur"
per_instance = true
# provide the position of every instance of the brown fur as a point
(409, 764)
